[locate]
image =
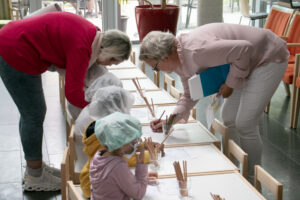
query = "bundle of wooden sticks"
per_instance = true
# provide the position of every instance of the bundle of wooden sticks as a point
(139, 89)
(181, 177)
(216, 197)
(153, 152)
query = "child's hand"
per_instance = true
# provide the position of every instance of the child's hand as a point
(152, 176)
(140, 155)
(161, 148)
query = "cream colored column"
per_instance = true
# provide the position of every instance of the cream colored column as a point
(209, 11)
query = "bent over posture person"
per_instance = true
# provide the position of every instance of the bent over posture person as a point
(28, 48)
(257, 57)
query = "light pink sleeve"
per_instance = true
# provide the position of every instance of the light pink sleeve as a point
(237, 53)
(133, 186)
(185, 103)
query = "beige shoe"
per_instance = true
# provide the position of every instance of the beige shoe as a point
(46, 182)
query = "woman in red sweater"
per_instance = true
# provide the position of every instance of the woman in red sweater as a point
(27, 49)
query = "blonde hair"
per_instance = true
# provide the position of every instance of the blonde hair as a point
(115, 45)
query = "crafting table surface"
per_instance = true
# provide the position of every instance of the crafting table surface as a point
(231, 186)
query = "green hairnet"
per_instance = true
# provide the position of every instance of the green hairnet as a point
(117, 129)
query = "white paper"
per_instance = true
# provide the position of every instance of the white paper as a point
(212, 108)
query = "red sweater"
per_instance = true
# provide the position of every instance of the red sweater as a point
(63, 39)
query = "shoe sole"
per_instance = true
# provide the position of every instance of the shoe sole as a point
(39, 188)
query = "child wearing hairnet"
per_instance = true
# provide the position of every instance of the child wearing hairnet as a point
(96, 77)
(110, 174)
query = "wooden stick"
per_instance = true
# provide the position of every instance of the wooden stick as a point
(161, 116)
(137, 87)
(152, 106)
(149, 107)
(142, 95)
(137, 80)
(165, 139)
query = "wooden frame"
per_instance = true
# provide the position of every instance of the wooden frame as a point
(295, 95)
(132, 57)
(230, 148)
(242, 179)
(143, 67)
(207, 172)
(69, 123)
(62, 97)
(156, 78)
(73, 175)
(261, 177)
(168, 81)
(234, 151)
(65, 173)
(174, 92)
(73, 194)
(218, 126)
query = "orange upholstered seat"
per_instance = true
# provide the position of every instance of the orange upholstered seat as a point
(289, 74)
(298, 82)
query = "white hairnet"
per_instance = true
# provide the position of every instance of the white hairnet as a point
(93, 73)
(107, 79)
(106, 100)
(117, 129)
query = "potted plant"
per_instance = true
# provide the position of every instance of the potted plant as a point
(124, 18)
(156, 17)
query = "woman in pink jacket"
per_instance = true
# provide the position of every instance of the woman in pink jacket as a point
(257, 57)
(27, 49)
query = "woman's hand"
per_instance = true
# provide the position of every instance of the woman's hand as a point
(156, 125)
(140, 155)
(225, 91)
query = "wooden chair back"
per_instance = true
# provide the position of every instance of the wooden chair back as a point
(73, 193)
(65, 173)
(261, 177)
(168, 81)
(234, 151)
(218, 127)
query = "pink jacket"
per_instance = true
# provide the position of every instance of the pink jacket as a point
(245, 48)
(111, 179)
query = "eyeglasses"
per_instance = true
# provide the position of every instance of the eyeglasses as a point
(155, 68)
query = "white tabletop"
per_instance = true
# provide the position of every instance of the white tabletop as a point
(183, 135)
(123, 65)
(145, 117)
(146, 84)
(128, 73)
(231, 186)
(159, 98)
(200, 159)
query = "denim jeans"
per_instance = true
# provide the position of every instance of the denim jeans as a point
(27, 92)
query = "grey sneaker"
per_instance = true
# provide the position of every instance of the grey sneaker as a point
(46, 182)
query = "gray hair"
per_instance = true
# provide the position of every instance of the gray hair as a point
(115, 45)
(157, 45)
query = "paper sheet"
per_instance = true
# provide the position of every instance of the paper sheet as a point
(212, 108)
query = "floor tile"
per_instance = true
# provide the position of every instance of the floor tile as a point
(9, 138)
(11, 191)
(10, 167)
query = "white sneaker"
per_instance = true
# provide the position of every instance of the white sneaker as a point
(52, 170)
(46, 182)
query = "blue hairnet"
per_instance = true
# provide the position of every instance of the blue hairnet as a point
(117, 129)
